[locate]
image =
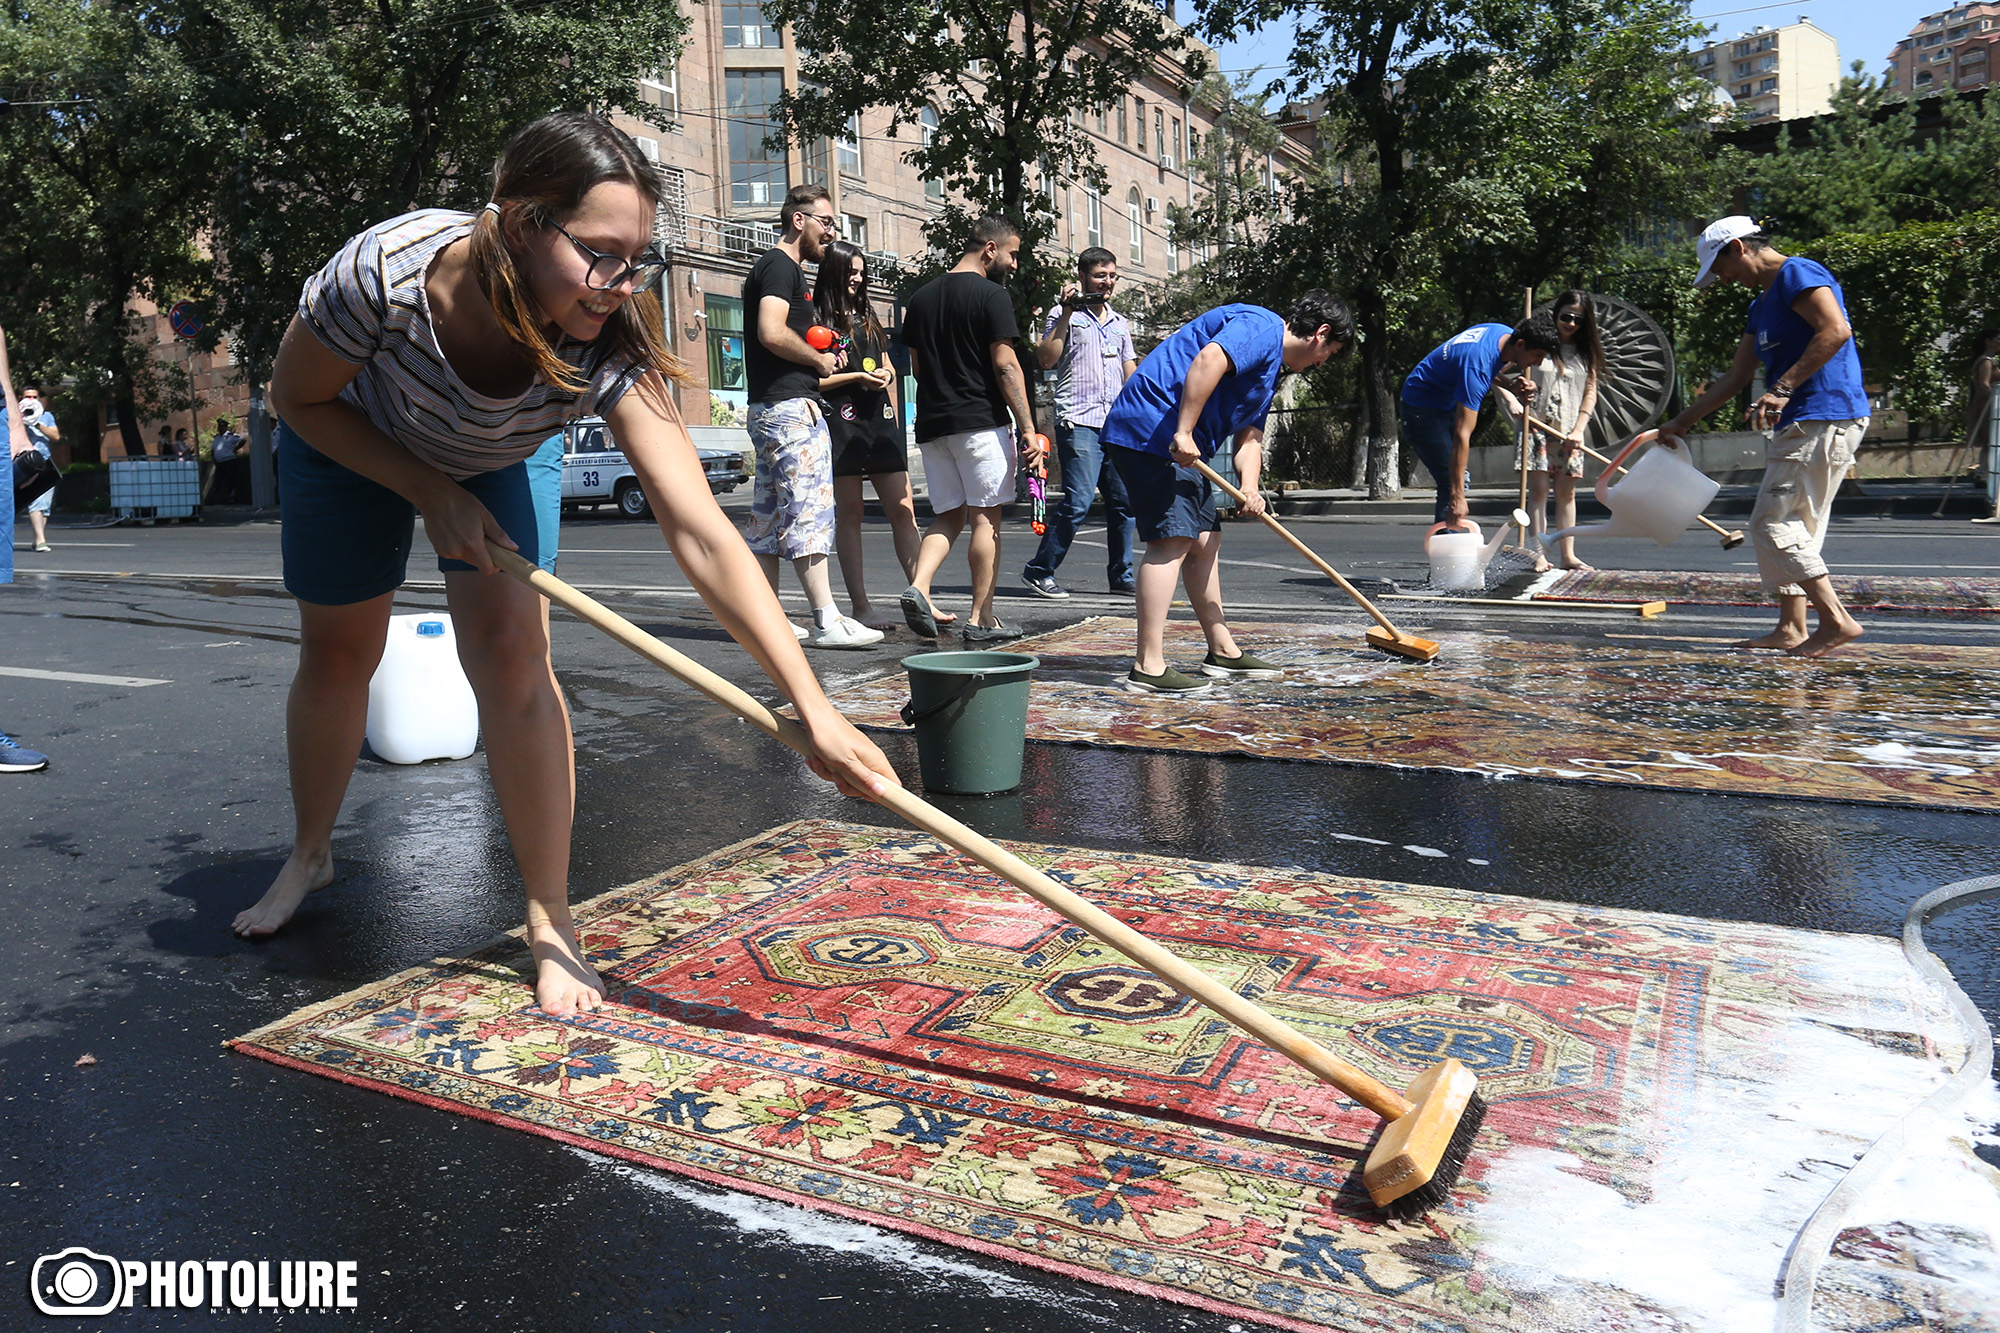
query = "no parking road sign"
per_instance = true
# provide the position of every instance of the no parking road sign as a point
(186, 320)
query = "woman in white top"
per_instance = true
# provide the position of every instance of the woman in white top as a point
(428, 360)
(1565, 396)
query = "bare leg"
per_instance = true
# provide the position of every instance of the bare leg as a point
(936, 546)
(504, 647)
(813, 578)
(326, 717)
(893, 489)
(1566, 518)
(1791, 631)
(1156, 576)
(38, 522)
(1836, 626)
(848, 506)
(982, 552)
(1538, 513)
(1201, 574)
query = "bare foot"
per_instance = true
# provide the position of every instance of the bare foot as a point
(301, 874)
(944, 617)
(1778, 640)
(1828, 637)
(1578, 567)
(881, 620)
(565, 985)
(1542, 565)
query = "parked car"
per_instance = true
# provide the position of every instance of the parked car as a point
(595, 471)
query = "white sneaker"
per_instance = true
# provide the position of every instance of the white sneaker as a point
(800, 631)
(843, 632)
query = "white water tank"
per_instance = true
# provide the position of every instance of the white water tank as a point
(420, 705)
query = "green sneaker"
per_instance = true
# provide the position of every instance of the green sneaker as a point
(1241, 667)
(1169, 681)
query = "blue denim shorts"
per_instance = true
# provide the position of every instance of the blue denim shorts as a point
(346, 539)
(1167, 501)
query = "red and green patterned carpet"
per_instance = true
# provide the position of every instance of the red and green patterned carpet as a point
(857, 1020)
(1896, 724)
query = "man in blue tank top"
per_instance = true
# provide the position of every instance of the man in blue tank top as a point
(1816, 408)
(1210, 382)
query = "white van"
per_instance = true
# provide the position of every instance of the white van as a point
(595, 472)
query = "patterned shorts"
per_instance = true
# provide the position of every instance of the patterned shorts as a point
(1544, 449)
(791, 509)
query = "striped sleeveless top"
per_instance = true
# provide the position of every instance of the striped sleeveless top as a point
(368, 306)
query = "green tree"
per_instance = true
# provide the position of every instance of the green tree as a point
(349, 112)
(1233, 171)
(1469, 150)
(108, 148)
(1867, 165)
(1009, 86)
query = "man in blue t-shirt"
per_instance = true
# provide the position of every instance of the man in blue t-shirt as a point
(1442, 395)
(1815, 404)
(1211, 381)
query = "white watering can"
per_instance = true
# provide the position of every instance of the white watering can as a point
(1458, 559)
(1657, 497)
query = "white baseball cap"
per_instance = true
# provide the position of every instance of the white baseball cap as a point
(1718, 235)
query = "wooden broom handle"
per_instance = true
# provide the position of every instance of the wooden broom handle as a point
(1704, 519)
(1168, 967)
(1302, 549)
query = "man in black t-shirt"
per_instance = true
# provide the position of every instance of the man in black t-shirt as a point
(791, 510)
(960, 332)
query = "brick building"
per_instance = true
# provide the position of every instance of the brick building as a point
(1952, 48)
(726, 187)
(1781, 73)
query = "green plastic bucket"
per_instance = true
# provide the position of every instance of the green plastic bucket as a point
(970, 711)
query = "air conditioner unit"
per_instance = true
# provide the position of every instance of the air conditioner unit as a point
(1166, 161)
(1152, 204)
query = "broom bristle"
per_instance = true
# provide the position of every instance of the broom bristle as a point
(1438, 1189)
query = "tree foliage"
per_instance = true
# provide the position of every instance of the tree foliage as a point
(1009, 85)
(1871, 165)
(106, 148)
(1472, 148)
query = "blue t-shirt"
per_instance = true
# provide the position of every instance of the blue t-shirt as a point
(1833, 392)
(1458, 372)
(38, 424)
(1148, 408)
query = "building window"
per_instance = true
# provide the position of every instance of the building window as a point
(756, 171)
(662, 89)
(1095, 204)
(847, 148)
(1767, 85)
(1173, 259)
(744, 25)
(1160, 130)
(725, 343)
(1139, 110)
(1178, 149)
(1103, 127)
(1134, 220)
(854, 230)
(927, 124)
(1923, 78)
(1123, 132)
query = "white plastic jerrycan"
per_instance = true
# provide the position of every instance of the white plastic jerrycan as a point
(1458, 559)
(420, 705)
(1658, 497)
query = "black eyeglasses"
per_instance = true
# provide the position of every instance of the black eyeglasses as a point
(607, 271)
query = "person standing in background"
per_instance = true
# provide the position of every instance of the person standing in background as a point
(866, 427)
(960, 330)
(231, 484)
(792, 509)
(43, 435)
(1089, 345)
(1979, 424)
(1566, 395)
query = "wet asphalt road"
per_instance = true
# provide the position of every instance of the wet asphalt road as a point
(165, 812)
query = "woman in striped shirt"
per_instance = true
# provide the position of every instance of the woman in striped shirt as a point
(428, 360)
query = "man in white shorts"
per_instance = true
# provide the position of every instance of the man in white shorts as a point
(960, 330)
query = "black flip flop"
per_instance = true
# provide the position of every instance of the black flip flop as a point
(917, 613)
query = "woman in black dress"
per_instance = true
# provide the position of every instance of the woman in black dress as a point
(866, 426)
